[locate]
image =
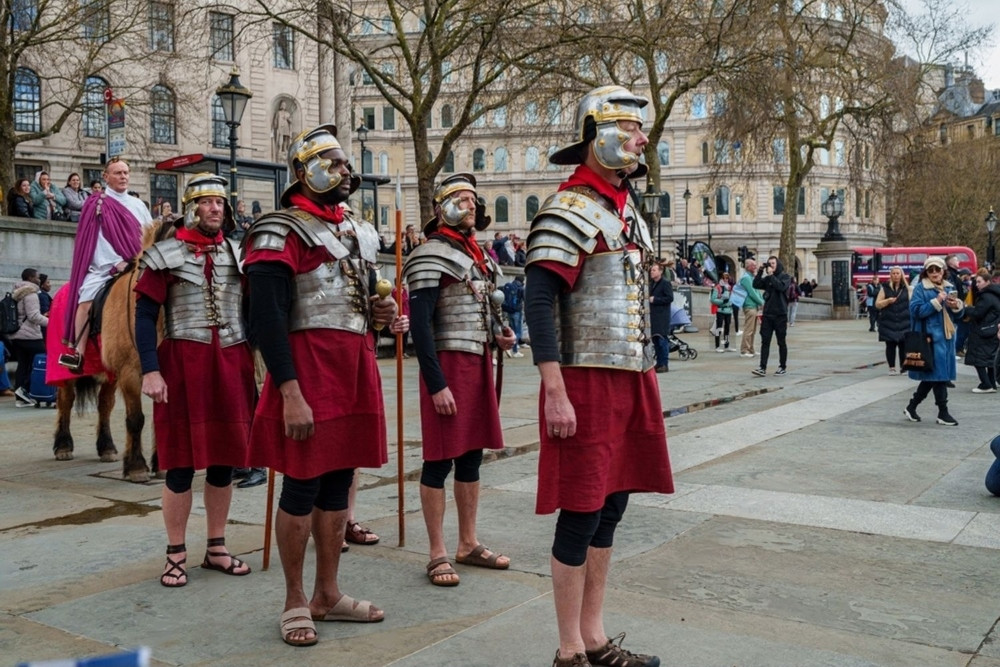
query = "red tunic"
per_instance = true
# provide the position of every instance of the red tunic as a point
(339, 379)
(210, 395)
(620, 442)
(476, 424)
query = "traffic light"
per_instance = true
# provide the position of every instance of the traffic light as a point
(742, 253)
(679, 248)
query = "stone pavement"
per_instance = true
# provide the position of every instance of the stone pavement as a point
(812, 525)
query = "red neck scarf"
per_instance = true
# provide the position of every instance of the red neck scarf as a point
(197, 240)
(587, 177)
(467, 242)
(333, 214)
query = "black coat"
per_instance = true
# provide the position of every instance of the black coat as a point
(662, 293)
(894, 319)
(981, 350)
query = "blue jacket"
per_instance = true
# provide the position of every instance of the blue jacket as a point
(927, 314)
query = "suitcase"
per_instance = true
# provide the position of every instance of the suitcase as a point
(37, 389)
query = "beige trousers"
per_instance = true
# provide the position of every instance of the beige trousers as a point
(749, 330)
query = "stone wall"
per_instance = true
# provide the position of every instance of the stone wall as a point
(46, 245)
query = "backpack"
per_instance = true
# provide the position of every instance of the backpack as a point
(512, 297)
(793, 291)
(9, 320)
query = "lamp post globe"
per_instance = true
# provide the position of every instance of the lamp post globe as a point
(234, 97)
(833, 208)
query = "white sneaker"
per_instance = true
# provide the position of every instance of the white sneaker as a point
(738, 333)
(720, 349)
(747, 354)
(518, 355)
(21, 394)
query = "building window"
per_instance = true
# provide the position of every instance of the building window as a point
(368, 113)
(530, 208)
(500, 117)
(161, 26)
(704, 152)
(531, 159)
(699, 106)
(665, 205)
(96, 20)
(163, 116)
(500, 159)
(449, 163)
(220, 131)
(548, 158)
(778, 197)
(478, 160)
(90, 175)
(221, 38)
(387, 26)
(501, 212)
(366, 78)
(554, 112)
(94, 119)
(531, 114)
(706, 206)
(163, 188)
(284, 46)
(446, 72)
(738, 205)
(868, 203)
(366, 162)
(388, 118)
(663, 153)
(446, 118)
(478, 115)
(722, 200)
(778, 150)
(27, 101)
(22, 14)
(801, 208)
(383, 163)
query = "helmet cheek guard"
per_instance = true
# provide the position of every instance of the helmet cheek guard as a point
(600, 111)
(447, 208)
(206, 184)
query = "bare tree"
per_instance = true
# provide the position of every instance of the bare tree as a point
(479, 55)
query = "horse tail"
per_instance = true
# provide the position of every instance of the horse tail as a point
(86, 392)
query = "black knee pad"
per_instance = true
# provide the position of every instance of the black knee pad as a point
(298, 496)
(220, 476)
(611, 515)
(179, 479)
(434, 473)
(334, 489)
(574, 533)
(467, 466)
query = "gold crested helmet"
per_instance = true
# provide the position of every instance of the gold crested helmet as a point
(304, 153)
(597, 118)
(206, 184)
(446, 205)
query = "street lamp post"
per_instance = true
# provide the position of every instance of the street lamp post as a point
(234, 97)
(991, 224)
(833, 208)
(651, 211)
(708, 214)
(362, 138)
(687, 196)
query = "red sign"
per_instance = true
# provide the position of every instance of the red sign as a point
(180, 161)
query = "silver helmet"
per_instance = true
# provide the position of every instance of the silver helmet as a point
(604, 107)
(205, 184)
(304, 152)
(447, 206)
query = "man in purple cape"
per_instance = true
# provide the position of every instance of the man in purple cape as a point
(108, 237)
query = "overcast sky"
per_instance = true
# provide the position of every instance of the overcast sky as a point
(986, 62)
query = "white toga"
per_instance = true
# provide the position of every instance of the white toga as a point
(105, 256)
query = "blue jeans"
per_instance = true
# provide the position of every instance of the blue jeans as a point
(993, 475)
(961, 334)
(662, 348)
(515, 323)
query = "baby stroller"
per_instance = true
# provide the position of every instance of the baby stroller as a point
(679, 319)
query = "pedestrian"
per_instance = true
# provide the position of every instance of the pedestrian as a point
(893, 303)
(242, 221)
(719, 296)
(75, 196)
(772, 280)
(661, 296)
(793, 301)
(513, 306)
(320, 414)
(935, 308)
(48, 199)
(19, 204)
(752, 301)
(602, 432)
(454, 323)
(984, 315)
(45, 293)
(204, 357)
(871, 292)
(108, 237)
(27, 341)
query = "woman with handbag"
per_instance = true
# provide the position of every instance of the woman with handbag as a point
(934, 310)
(893, 303)
(981, 348)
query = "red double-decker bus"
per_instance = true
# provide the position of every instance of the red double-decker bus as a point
(878, 261)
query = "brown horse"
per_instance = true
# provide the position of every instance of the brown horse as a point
(121, 370)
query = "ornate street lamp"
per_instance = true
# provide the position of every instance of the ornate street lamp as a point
(687, 196)
(362, 138)
(651, 211)
(991, 224)
(833, 208)
(234, 97)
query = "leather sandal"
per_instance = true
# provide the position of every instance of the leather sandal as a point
(299, 618)
(358, 534)
(175, 568)
(351, 610)
(437, 576)
(234, 562)
(476, 558)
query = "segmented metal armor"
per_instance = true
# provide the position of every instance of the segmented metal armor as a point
(604, 321)
(464, 316)
(195, 306)
(335, 294)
